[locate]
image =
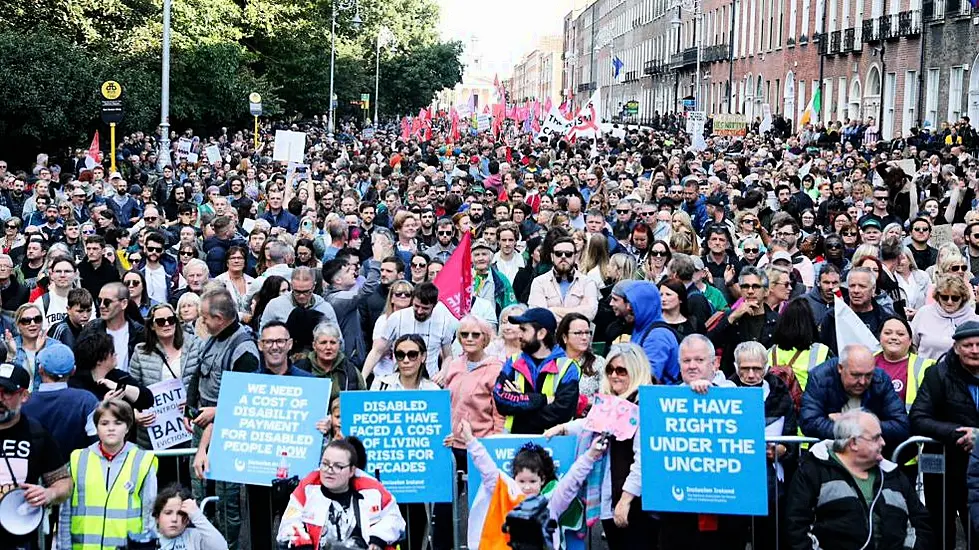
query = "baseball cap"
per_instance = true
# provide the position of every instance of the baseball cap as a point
(869, 222)
(969, 329)
(539, 315)
(56, 359)
(481, 243)
(698, 263)
(13, 377)
(115, 176)
(781, 255)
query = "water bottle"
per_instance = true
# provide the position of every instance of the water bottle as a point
(282, 472)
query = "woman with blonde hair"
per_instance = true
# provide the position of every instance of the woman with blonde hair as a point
(685, 242)
(626, 369)
(595, 260)
(935, 323)
(399, 297)
(507, 343)
(912, 280)
(682, 222)
(944, 252)
(470, 378)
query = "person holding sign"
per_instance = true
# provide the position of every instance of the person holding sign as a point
(847, 496)
(537, 389)
(341, 504)
(625, 524)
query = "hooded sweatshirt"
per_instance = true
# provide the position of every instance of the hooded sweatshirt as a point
(932, 328)
(659, 343)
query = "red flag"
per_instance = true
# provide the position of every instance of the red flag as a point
(454, 291)
(405, 129)
(547, 106)
(94, 151)
(454, 132)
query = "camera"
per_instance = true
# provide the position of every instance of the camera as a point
(530, 525)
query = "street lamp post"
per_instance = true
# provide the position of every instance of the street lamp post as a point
(342, 5)
(696, 8)
(164, 159)
(383, 35)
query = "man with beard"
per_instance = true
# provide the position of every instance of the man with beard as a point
(444, 245)
(33, 455)
(426, 235)
(426, 317)
(392, 269)
(126, 209)
(157, 267)
(537, 389)
(924, 254)
(52, 229)
(301, 310)
(835, 203)
(34, 261)
(564, 289)
(476, 214)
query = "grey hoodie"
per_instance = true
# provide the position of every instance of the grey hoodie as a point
(346, 305)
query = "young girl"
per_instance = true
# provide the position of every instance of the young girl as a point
(174, 510)
(533, 474)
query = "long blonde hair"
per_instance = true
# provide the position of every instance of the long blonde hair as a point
(635, 361)
(388, 306)
(595, 255)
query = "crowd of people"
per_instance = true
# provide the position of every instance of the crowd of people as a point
(598, 266)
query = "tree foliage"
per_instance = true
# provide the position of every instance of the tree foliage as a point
(56, 54)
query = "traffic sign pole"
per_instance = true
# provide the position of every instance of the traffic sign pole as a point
(256, 132)
(112, 147)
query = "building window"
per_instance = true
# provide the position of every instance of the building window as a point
(793, 8)
(956, 77)
(841, 100)
(910, 101)
(931, 97)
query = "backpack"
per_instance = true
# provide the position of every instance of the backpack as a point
(658, 324)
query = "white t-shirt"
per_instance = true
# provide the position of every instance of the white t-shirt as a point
(437, 331)
(156, 284)
(385, 365)
(56, 311)
(510, 267)
(121, 340)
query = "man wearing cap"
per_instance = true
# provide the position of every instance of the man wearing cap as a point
(537, 389)
(945, 409)
(126, 209)
(30, 453)
(65, 412)
(564, 289)
(870, 231)
(488, 283)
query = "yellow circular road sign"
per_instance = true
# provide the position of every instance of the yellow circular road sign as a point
(254, 97)
(111, 90)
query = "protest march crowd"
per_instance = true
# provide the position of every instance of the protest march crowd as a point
(541, 284)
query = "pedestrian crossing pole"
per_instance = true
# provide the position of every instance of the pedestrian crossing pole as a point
(112, 146)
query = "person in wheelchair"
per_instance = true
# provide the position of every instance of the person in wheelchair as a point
(339, 506)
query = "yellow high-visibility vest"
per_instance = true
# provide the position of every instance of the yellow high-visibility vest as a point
(917, 365)
(551, 382)
(102, 518)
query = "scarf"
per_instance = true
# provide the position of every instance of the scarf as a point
(591, 490)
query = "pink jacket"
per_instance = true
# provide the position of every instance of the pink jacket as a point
(472, 396)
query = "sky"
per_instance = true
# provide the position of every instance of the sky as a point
(506, 29)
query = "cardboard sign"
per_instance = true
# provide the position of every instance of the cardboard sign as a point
(263, 418)
(403, 433)
(613, 415)
(706, 451)
(289, 146)
(168, 429)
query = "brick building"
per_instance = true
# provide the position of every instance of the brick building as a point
(951, 42)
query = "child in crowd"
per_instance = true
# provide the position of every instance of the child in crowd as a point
(174, 511)
(533, 473)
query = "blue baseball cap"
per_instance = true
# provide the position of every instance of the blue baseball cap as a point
(56, 359)
(538, 315)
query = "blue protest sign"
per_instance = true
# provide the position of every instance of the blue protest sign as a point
(262, 419)
(703, 453)
(502, 449)
(403, 433)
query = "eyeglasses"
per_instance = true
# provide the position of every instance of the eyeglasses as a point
(618, 371)
(954, 298)
(333, 466)
(409, 355)
(106, 302)
(957, 268)
(752, 250)
(746, 286)
(36, 320)
(783, 234)
(275, 342)
(924, 229)
(133, 282)
(580, 333)
(165, 321)
(298, 292)
(464, 335)
(563, 253)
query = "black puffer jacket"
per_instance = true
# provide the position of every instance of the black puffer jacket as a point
(826, 510)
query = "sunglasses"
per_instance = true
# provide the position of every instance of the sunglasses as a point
(751, 250)
(165, 321)
(563, 253)
(445, 233)
(106, 302)
(11, 226)
(921, 229)
(155, 249)
(618, 371)
(419, 265)
(623, 211)
(186, 254)
(958, 268)
(134, 282)
(834, 246)
(755, 286)
(402, 294)
(660, 253)
(409, 355)
(464, 335)
(954, 298)
(36, 320)
(150, 219)
(849, 234)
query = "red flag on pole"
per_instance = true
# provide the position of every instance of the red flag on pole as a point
(455, 291)
(454, 133)
(94, 151)
(405, 129)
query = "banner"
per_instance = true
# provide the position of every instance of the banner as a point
(730, 125)
(585, 122)
(262, 419)
(502, 449)
(168, 429)
(483, 122)
(455, 290)
(554, 124)
(707, 451)
(403, 433)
